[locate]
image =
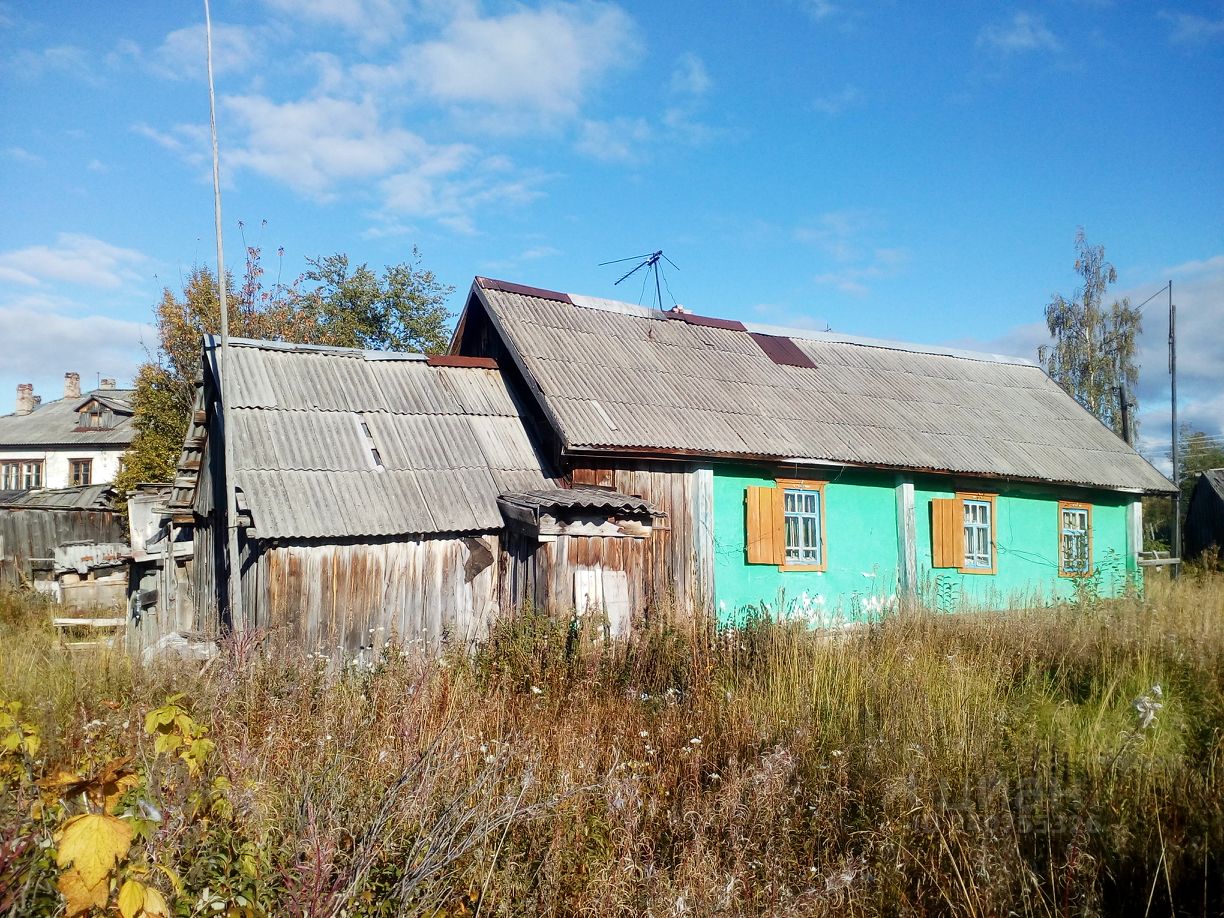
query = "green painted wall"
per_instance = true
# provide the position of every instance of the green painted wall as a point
(862, 548)
(860, 544)
(1026, 546)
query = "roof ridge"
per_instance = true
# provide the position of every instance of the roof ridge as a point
(631, 309)
(214, 341)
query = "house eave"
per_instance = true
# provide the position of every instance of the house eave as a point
(682, 455)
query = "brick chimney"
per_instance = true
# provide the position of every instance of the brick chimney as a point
(25, 398)
(72, 385)
(106, 383)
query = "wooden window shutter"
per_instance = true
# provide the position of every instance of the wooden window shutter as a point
(766, 526)
(947, 532)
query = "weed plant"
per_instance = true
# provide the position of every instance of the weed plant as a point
(1053, 760)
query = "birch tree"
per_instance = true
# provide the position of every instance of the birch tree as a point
(1094, 349)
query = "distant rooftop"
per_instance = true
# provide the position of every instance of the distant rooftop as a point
(57, 423)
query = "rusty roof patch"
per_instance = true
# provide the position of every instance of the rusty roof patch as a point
(783, 351)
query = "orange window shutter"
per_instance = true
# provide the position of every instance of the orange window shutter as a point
(765, 533)
(947, 533)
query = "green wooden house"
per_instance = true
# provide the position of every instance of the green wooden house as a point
(814, 474)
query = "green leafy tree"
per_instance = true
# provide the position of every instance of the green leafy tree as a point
(1094, 350)
(402, 309)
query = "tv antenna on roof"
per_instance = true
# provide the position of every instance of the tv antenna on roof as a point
(651, 263)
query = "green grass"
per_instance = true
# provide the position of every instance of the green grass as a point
(980, 764)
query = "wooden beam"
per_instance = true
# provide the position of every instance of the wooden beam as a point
(907, 535)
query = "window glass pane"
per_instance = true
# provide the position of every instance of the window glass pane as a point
(802, 512)
(977, 534)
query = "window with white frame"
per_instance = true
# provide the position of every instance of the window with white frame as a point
(979, 553)
(801, 510)
(1074, 539)
(21, 476)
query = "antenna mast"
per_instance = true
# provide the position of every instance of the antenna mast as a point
(651, 263)
(233, 574)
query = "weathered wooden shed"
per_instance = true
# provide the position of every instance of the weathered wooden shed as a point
(368, 488)
(33, 524)
(1204, 527)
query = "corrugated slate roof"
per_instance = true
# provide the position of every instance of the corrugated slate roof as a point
(88, 497)
(449, 440)
(55, 423)
(614, 376)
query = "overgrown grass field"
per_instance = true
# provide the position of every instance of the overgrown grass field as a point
(1062, 760)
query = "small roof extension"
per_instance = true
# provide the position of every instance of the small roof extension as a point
(614, 377)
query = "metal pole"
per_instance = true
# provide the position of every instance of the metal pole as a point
(1173, 404)
(232, 578)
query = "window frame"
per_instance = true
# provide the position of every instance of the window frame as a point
(72, 472)
(802, 484)
(1064, 505)
(982, 498)
(15, 471)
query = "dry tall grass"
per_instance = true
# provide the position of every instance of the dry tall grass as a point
(981, 764)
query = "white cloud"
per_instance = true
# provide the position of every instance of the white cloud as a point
(1017, 341)
(836, 233)
(29, 64)
(74, 259)
(22, 155)
(313, 144)
(1022, 33)
(190, 142)
(690, 76)
(618, 140)
(1192, 29)
(46, 336)
(542, 61)
(451, 186)
(852, 279)
(376, 22)
(846, 237)
(1198, 292)
(182, 53)
(837, 102)
(820, 9)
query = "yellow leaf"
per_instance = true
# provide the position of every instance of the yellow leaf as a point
(131, 898)
(155, 904)
(173, 878)
(80, 896)
(92, 845)
(113, 790)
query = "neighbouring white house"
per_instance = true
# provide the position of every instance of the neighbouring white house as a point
(75, 440)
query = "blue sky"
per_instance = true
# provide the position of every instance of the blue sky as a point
(883, 168)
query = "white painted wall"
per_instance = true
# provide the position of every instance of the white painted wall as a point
(56, 468)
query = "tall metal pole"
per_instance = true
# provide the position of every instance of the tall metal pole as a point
(232, 580)
(1173, 404)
